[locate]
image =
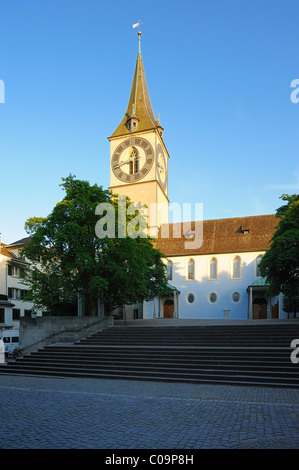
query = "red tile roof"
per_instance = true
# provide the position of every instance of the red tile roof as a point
(235, 235)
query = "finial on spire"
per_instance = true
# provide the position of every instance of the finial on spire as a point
(137, 25)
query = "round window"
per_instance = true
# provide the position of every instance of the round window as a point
(213, 297)
(236, 296)
(190, 298)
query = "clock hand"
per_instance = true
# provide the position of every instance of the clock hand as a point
(126, 161)
(121, 163)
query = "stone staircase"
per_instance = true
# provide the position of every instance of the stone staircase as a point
(250, 354)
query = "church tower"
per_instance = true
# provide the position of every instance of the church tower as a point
(139, 158)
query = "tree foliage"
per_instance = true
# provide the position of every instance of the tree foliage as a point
(280, 264)
(68, 257)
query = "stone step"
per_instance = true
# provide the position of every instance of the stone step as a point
(161, 366)
(45, 356)
(187, 354)
(223, 343)
(208, 376)
(203, 329)
(177, 368)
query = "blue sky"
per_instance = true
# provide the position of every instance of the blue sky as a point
(219, 74)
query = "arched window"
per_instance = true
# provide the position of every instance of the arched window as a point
(213, 269)
(190, 269)
(258, 260)
(169, 271)
(134, 161)
(237, 268)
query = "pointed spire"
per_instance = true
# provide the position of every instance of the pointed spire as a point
(139, 115)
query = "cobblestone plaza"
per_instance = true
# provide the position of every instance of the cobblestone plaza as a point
(51, 413)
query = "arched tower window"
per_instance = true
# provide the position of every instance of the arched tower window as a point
(134, 161)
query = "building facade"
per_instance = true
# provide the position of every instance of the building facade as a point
(214, 279)
(220, 277)
(12, 290)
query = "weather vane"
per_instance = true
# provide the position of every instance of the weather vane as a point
(137, 25)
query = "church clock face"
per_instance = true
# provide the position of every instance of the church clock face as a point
(161, 167)
(132, 159)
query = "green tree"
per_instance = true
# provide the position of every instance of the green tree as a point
(280, 264)
(67, 256)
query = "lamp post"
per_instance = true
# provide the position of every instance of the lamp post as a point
(80, 311)
(33, 314)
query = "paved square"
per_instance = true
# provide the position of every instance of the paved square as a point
(59, 413)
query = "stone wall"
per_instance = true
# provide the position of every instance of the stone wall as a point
(41, 331)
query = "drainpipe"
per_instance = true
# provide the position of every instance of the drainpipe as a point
(269, 316)
(155, 314)
(250, 303)
(175, 313)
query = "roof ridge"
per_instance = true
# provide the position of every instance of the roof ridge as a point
(222, 236)
(22, 241)
(224, 219)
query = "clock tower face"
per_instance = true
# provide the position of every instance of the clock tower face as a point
(132, 159)
(161, 167)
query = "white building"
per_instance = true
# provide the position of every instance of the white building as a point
(220, 278)
(12, 290)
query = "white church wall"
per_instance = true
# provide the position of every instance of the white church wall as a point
(206, 298)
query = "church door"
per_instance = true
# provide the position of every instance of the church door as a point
(168, 309)
(260, 309)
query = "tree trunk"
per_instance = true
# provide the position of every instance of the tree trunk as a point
(94, 308)
(108, 308)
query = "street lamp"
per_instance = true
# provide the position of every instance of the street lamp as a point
(33, 314)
